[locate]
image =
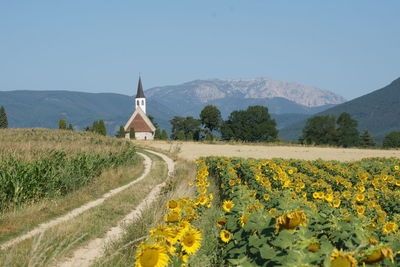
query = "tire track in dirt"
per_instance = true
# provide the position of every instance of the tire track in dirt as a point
(75, 212)
(88, 254)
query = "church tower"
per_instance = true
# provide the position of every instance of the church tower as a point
(140, 100)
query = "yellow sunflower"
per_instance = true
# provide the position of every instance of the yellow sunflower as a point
(340, 259)
(390, 227)
(151, 256)
(243, 219)
(172, 217)
(336, 203)
(221, 222)
(360, 197)
(172, 205)
(225, 236)
(266, 197)
(228, 205)
(190, 239)
(379, 254)
(291, 220)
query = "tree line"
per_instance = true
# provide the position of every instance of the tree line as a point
(253, 125)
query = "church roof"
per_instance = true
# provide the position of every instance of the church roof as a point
(140, 93)
(140, 122)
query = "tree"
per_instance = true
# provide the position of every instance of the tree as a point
(70, 127)
(254, 124)
(3, 118)
(366, 139)
(211, 118)
(151, 118)
(186, 125)
(121, 132)
(102, 128)
(132, 133)
(62, 124)
(157, 134)
(392, 140)
(347, 132)
(164, 135)
(320, 130)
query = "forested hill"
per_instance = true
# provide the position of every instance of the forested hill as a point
(379, 112)
(45, 108)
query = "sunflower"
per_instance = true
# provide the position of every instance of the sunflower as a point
(314, 247)
(266, 197)
(291, 220)
(360, 210)
(336, 203)
(151, 256)
(221, 222)
(390, 227)
(360, 197)
(225, 236)
(172, 205)
(172, 217)
(329, 197)
(228, 205)
(340, 259)
(243, 219)
(190, 239)
(379, 254)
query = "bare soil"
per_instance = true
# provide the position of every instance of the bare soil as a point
(192, 151)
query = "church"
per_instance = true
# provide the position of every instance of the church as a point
(142, 125)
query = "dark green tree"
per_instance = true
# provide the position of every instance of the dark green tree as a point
(102, 128)
(392, 140)
(95, 127)
(153, 121)
(254, 124)
(70, 127)
(62, 124)
(366, 139)
(164, 135)
(132, 133)
(157, 134)
(320, 130)
(3, 118)
(184, 124)
(210, 117)
(348, 135)
(121, 132)
(180, 136)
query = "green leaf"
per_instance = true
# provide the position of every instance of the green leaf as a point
(267, 252)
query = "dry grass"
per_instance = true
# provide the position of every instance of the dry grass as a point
(30, 144)
(62, 239)
(192, 151)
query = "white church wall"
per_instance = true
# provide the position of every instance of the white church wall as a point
(144, 136)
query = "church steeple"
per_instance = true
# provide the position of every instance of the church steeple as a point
(140, 93)
(140, 100)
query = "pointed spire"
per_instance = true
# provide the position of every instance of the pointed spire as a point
(140, 93)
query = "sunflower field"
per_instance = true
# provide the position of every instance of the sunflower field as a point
(287, 213)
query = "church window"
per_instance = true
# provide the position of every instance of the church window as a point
(142, 102)
(137, 102)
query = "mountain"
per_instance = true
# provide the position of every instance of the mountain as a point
(45, 108)
(379, 112)
(287, 103)
(228, 95)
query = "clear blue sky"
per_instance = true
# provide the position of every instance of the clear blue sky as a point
(348, 47)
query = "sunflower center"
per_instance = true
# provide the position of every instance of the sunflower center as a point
(341, 262)
(188, 241)
(149, 257)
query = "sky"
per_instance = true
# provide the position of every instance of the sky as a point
(348, 47)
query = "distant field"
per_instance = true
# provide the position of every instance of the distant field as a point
(191, 151)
